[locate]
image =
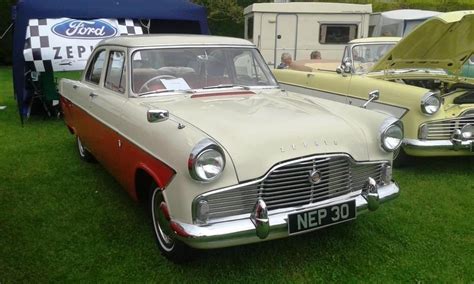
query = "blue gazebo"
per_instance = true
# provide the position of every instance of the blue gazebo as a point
(161, 16)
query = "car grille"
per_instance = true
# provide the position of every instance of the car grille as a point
(288, 185)
(443, 129)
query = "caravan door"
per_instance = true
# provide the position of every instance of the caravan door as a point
(286, 36)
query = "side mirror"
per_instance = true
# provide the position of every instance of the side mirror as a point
(373, 96)
(157, 115)
(347, 67)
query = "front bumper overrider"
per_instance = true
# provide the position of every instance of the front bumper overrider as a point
(262, 225)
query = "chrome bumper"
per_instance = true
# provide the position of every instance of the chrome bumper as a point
(262, 225)
(453, 144)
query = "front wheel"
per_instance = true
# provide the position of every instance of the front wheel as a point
(172, 249)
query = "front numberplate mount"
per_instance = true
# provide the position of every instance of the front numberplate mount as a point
(321, 217)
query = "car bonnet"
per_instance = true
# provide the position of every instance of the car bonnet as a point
(445, 41)
(259, 131)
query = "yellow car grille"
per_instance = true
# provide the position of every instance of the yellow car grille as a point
(443, 129)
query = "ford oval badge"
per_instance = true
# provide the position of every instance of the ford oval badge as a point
(82, 29)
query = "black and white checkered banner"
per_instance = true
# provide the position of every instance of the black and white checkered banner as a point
(65, 44)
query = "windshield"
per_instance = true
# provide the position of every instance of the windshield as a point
(166, 69)
(364, 56)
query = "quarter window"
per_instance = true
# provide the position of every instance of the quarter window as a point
(115, 78)
(95, 69)
(337, 33)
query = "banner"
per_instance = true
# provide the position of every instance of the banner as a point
(65, 44)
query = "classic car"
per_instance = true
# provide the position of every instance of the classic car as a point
(417, 80)
(198, 128)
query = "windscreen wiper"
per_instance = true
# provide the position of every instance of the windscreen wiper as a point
(220, 86)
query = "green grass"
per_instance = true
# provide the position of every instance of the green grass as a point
(65, 220)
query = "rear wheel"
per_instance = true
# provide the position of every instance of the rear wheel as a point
(171, 248)
(84, 154)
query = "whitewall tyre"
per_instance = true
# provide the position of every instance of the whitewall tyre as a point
(172, 249)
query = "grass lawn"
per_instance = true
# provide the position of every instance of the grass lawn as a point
(65, 220)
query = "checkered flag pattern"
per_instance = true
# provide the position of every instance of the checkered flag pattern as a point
(129, 27)
(36, 41)
(38, 44)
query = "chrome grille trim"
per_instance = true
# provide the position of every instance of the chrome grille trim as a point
(287, 185)
(443, 129)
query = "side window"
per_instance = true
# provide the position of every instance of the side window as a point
(337, 33)
(115, 76)
(95, 69)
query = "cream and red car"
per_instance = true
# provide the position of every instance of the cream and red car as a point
(197, 127)
(417, 80)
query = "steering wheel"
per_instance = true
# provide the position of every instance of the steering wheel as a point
(146, 88)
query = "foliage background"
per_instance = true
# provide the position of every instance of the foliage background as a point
(226, 16)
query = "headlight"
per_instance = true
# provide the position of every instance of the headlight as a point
(430, 103)
(206, 161)
(391, 136)
(467, 132)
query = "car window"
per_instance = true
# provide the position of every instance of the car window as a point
(115, 77)
(95, 69)
(195, 68)
(364, 56)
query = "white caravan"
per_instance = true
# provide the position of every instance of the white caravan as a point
(397, 22)
(302, 27)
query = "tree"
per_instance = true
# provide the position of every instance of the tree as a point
(226, 17)
(5, 21)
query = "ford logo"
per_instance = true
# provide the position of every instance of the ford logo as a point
(82, 29)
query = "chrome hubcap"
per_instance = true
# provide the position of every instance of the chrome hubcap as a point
(160, 222)
(81, 148)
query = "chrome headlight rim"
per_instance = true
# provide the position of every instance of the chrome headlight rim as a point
(387, 125)
(204, 146)
(426, 99)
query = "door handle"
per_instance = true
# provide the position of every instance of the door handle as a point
(74, 87)
(92, 95)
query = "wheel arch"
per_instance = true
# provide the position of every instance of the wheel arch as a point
(144, 177)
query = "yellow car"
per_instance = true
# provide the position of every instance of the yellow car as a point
(416, 80)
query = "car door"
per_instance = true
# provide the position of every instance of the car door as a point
(330, 85)
(84, 122)
(107, 106)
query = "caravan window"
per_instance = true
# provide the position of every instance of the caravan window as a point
(249, 28)
(337, 33)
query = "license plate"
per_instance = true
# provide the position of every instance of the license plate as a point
(321, 217)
